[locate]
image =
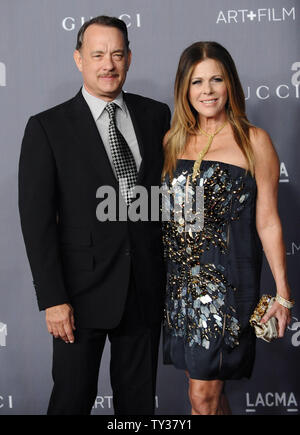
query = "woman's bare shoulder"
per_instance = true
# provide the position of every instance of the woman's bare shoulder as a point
(265, 155)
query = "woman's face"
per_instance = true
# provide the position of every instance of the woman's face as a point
(207, 91)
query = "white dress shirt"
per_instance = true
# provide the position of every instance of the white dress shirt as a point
(123, 121)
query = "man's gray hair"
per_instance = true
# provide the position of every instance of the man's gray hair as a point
(103, 20)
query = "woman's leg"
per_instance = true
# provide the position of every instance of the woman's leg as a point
(224, 406)
(207, 397)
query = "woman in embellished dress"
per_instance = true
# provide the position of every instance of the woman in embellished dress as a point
(220, 198)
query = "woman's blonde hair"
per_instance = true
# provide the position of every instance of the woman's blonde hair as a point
(185, 119)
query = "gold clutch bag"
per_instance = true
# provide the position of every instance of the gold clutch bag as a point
(267, 331)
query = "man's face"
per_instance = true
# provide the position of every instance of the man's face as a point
(103, 61)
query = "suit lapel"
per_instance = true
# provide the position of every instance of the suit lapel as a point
(87, 134)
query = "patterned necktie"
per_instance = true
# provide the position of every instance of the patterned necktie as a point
(122, 157)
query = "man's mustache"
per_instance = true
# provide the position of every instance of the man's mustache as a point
(107, 75)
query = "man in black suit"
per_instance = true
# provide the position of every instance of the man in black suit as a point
(96, 278)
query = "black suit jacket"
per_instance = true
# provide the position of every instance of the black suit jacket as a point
(74, 257)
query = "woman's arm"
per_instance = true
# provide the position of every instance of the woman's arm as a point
(268, 222)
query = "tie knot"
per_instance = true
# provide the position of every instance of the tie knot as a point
(111, 109)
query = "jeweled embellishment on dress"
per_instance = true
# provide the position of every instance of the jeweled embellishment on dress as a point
(223, 200)
(199, 301)
(196, 309)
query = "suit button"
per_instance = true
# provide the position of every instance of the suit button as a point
(127, 252)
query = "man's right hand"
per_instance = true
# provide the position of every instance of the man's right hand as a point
(60, 322)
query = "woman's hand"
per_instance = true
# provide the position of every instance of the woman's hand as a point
(282, 314)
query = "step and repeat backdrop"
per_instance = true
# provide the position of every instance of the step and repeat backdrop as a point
(37, 71)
